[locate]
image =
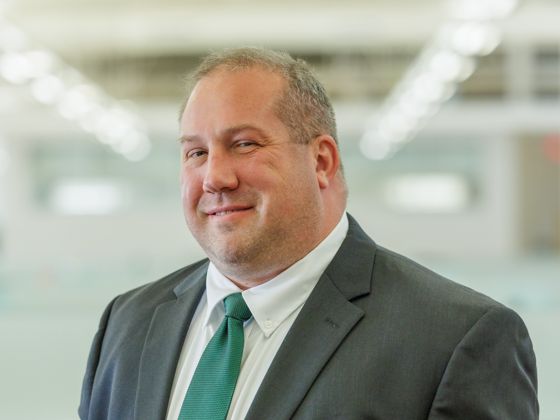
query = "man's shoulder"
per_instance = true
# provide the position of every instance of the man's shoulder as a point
(415, 285)
(151, 294)
(408, 280)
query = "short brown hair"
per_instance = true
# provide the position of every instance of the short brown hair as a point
(304, 105)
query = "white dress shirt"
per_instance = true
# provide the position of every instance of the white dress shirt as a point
(274, 306)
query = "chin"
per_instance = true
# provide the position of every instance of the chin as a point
(228, 260)
(231, 253)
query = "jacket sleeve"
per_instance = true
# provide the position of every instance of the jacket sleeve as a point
(491, 374)
(93, 360)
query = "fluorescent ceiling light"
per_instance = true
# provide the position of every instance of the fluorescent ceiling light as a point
(15, 68)
(48, 89)
(53, 83)
(447, 60)
(78, 101)
(449, 66)
(375, 148)
(140, 152)
(473, 38)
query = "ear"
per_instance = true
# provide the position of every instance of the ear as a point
(327, 159)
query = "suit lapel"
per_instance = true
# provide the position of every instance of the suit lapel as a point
(324, 321)
(163, 346)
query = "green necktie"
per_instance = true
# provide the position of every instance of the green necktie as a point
(212, 385)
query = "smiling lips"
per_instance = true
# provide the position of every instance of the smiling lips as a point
(224, 211)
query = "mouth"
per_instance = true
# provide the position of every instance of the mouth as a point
(225, 211)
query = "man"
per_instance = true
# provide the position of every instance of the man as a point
(334, 326)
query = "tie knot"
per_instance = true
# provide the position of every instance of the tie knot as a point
(236, 307)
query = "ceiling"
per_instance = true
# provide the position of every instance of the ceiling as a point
(139, 50)
(140, 27)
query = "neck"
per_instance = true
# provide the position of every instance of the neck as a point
(249, 275)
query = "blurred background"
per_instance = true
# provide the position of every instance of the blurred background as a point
(449, 123)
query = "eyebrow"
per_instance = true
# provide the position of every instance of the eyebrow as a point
(228, 132)
(187, 139)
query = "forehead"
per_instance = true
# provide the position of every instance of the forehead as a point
(228, 93)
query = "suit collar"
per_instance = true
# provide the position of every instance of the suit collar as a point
(325, 320)
(352, 267)
(163, 345)
(193, 280)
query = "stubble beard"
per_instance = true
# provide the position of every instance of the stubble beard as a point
(238, 246)
(253, 249)
(261, 247)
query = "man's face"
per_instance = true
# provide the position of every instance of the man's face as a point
(250, 194)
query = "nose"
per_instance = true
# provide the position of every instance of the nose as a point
(220, 173)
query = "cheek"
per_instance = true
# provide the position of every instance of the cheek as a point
(285, 194)
(191, 191)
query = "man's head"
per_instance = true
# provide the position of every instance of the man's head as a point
(261, 177)
(303, 106)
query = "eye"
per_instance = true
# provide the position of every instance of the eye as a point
(245, 145)
(194, 154)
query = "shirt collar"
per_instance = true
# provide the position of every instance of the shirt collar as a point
(274, 301)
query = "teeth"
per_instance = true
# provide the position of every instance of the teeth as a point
(223, 213)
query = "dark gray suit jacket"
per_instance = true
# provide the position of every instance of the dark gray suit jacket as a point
(380, 337)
